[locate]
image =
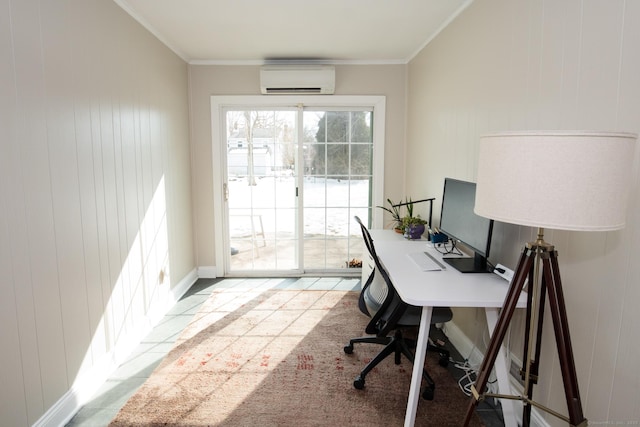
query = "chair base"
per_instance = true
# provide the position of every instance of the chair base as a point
(398, 346)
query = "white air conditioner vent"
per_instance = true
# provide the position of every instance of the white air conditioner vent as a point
(297, 79)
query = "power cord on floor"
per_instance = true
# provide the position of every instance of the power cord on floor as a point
(469, 377)
(470, 372)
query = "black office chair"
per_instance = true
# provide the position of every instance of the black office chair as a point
(380, 301)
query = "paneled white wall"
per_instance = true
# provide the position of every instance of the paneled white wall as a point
(95, 219)
(544, 64)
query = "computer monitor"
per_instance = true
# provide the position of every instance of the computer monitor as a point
(460, 223)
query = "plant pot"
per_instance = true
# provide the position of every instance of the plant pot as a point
(414, 232)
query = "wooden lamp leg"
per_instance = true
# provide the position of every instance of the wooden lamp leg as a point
(533, 363)
(524, 266)
(551, 286)
(563, 339)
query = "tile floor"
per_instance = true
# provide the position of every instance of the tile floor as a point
(108, 400)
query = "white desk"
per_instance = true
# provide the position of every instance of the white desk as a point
(437, 289)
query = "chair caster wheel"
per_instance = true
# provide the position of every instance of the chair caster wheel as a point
(358, 382)
(348, 349)
(427, 394)
(443, 361)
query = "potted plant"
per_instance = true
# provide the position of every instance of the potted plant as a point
(394, 210)
(413, 226)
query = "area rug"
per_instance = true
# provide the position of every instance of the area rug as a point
(275, 358)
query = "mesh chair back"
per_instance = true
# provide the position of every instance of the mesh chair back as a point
(379, 295)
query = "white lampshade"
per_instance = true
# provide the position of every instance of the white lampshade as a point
(563, 180)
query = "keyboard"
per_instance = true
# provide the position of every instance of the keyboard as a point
(426, 261)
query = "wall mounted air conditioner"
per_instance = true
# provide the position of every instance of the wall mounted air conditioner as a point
(297, 79)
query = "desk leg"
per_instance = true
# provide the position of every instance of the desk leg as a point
(418, 366)
(502, 373)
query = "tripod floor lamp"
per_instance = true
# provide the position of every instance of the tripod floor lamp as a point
(559, 180)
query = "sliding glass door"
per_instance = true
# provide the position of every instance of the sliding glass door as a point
(294, 175)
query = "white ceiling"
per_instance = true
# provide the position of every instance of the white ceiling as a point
(256, 31)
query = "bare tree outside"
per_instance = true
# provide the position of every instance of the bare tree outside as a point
(253, 130)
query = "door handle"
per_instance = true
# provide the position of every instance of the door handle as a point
(225, 190)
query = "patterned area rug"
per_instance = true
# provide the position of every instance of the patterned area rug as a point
(275, 358)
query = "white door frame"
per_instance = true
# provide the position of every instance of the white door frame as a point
(218, 105)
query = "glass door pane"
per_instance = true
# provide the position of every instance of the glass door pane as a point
(337, 184)
(262, 186)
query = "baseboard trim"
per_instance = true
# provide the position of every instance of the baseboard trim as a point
(207, 272)
(85, 386)
(184, 285)
(462, 343)
(465, 347)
